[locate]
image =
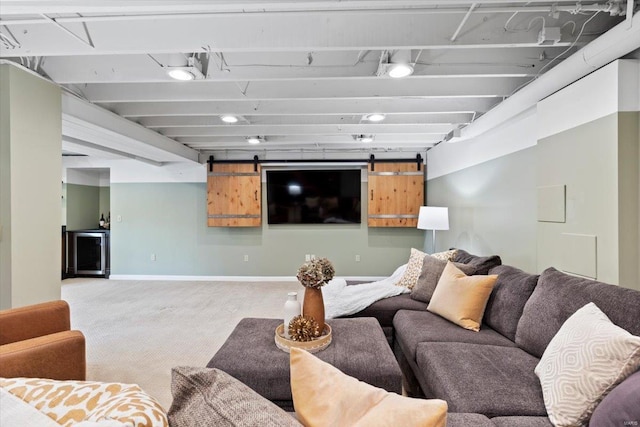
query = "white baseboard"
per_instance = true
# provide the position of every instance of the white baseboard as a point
(226, 278)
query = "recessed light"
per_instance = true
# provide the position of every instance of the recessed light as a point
(374, 117)
(398, 71)
(181, 74)
(228, 118)
(364, 138)
(254, 139)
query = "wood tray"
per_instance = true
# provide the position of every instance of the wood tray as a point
(312, 346)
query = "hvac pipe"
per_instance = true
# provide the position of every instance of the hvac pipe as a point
(615, 43)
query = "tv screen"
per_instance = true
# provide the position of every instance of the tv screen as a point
(313, 196)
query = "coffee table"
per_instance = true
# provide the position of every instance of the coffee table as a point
(358, 348)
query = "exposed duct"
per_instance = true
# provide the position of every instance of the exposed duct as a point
(615, 43)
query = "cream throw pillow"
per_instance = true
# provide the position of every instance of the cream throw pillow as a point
(324, 396)
(414, 266)
(461, 299)
(584, 361)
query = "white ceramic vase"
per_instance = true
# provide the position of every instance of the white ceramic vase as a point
(291, 309)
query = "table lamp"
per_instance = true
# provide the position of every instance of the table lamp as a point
(433, 218)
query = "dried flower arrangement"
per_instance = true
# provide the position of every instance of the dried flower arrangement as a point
(316, 273)
(303, 328)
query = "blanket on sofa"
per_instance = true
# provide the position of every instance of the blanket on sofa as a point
(342, 300)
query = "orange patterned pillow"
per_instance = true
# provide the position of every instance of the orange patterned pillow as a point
(70, 402)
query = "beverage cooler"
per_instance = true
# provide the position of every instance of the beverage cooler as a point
(88, 253)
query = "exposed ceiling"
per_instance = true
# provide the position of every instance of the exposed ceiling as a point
(300, 74)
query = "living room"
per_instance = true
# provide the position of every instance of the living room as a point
(565, 144)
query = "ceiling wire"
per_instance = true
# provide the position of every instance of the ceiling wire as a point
(559, 55)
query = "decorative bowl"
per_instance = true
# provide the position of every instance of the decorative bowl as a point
(313, 346)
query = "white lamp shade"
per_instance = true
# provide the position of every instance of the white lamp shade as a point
(433, 218)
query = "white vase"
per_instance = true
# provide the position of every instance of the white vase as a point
(291, 310)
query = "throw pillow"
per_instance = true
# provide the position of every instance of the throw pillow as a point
(461, 299)
(621, 407)
(432, 269)
(446, 255)
(324, 396)
(482, 264)
(72, 402)
(412, 272)
(585, 360)
(209, 396)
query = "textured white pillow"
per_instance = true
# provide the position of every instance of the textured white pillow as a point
(585, 360)
(413, 270)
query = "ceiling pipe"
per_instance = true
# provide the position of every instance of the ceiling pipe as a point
(615, 43)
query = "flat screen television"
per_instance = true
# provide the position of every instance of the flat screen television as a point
(310, 196)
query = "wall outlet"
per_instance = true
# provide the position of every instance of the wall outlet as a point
(246, 258)
(313, 256)
(307, 257)
(153, 257)
(119, 218)
(357, 258)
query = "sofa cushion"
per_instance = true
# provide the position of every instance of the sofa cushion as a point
(482, 264)
(508, 298)
(432, 269)
(585, 360)
(461, 298)
(558, 295)
(205, 396)
(521, 422)
(620, 406)
(415, 327)
(324, 396)
(385, 309)
(486, 379)
(468, 420)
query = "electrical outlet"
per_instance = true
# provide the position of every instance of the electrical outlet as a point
(307, 257)
(357, 258)
(119, 218)
(153, 257)
(246, 258)
(313, 256)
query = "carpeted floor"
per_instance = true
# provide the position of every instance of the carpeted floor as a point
(136, 331)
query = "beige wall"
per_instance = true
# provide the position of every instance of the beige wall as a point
(31, 188)
(492, 208)
(598, 163)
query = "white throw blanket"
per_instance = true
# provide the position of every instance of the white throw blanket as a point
(342, 300)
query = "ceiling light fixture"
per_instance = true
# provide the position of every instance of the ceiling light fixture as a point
(255, 139)
(395, 64)
(229, 118)
(374, 117)
(364, 138)
(191, 71)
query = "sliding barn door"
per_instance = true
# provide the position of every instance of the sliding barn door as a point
(234, 196)
(395, 194)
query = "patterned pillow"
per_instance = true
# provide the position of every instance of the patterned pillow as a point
(446, 255)
(70, 402)
(414, 268)
(584, 361)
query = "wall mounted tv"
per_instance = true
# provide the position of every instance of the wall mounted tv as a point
(310, 196)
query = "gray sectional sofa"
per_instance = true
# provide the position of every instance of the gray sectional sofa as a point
(487, 377)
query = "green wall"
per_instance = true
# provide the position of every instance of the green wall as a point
(83, 206)
(169, 220)
(492, 208)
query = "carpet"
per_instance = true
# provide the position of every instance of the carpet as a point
(136, 331)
